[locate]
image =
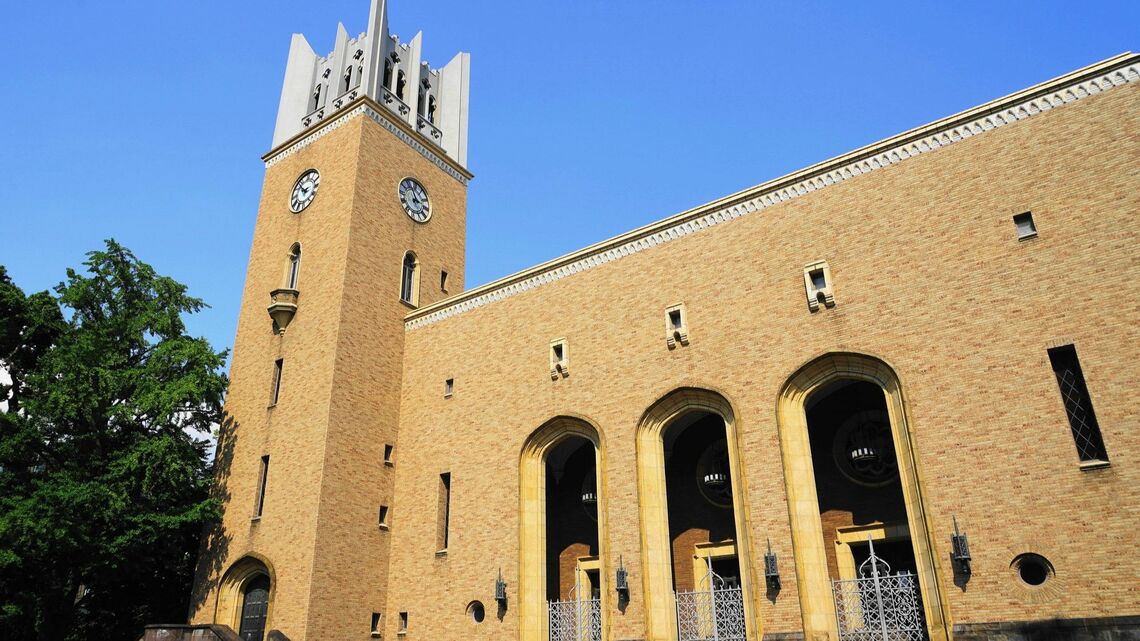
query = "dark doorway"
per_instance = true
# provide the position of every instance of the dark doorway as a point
(255, 607)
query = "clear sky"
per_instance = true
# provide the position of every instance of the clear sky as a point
(145, 121)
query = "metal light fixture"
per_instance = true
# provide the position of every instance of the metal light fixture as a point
(589, 491)
(771, 568)
(864, 445)
(715, 476)
(501, 589)
(621, 579)
(961, 553)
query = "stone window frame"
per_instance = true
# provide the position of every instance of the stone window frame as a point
(815, 293)
(559, 355)
(676, 325)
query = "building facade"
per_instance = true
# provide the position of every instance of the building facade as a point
(887, 394)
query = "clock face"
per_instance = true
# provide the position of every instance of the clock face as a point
(305, 190)
(414, 198)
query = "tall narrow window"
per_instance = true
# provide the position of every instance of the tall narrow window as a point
(422, 107)
(431, 109)
(403, 626)
(316, 98)
(388, 75)
(294, 266)
(400, 82)
(383, 516)
(278, 368)
(444, 511)
(408, 279)
(375, 629)
(348, 78)
(262, 480)
(443, 281)
(1078, 404)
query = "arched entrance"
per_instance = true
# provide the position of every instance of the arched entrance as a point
(562, 564)
(245, 598)
(852, 476)
(695, 548)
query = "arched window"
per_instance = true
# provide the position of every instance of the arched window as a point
(431, 109)
(254, 608)
(408, 279)
(316, 98)
(400, 82)
(388, 75)
(294, 266)
(348, 78)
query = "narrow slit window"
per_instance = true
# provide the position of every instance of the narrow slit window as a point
(675, 319)
(1078, 404)
(443, 281)
(449, 387)
(403, 629)
(388, 75)
(316, 98)
(431, 109)
(422, 107)
(348, 78)
(278, 369)
(408, 279)
(262, 480)
(444, 511)
(374, 628)
(294, 266)
(389, 450)
(557, 352)
(400, 82)
(1025, 225)
(383, 516)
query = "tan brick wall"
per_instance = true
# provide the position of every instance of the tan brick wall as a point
(928, 276)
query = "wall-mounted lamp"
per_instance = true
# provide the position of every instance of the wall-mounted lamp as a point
(961, 553)
(771, 568)
(621, 579)
(501, 589)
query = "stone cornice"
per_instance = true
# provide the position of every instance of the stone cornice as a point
(365, 106)
(1114, 72)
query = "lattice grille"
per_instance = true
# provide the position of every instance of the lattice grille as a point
(1086, 431)
(880, 606)
(710, 615)
(576, 620)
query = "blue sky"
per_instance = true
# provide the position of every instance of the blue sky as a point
(145, 121)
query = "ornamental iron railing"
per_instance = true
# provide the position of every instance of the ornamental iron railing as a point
(879, 606)
(715, 613)
(576, 620)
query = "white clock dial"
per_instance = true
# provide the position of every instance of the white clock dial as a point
(414, 198)
(305, 190)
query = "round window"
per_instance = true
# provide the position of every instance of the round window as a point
(476, 611)
(1033, 569)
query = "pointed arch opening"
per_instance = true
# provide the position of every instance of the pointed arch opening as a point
(245, 598)
(692, 505)
(851, 472)
(293, 270)
(563, 567)
(410, 279)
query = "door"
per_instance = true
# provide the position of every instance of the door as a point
(254, 608)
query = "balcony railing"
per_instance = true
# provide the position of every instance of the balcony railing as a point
(393, 102)
(435, 133)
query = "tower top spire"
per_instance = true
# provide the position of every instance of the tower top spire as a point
(376, 64)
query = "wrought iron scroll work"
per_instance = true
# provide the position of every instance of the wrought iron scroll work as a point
(879, 606)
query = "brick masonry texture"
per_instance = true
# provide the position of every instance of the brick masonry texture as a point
(928, 275)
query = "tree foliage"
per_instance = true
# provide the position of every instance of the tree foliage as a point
(104, 474)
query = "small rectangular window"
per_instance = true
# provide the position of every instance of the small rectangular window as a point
(818, 280)
(443, 281)
(275, 393)
(1025, 226)
(557, 352)
(262, 480)
(449, 387)
(375, 627)
(1078, 404)
(675, 319)
(384, 516)
(444, 516)
(389, 450)
(403, 629)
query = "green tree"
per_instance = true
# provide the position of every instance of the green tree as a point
(104, 473)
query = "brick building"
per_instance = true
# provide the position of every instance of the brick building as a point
(700, 428)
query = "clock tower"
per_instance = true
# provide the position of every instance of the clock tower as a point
(362, 219)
